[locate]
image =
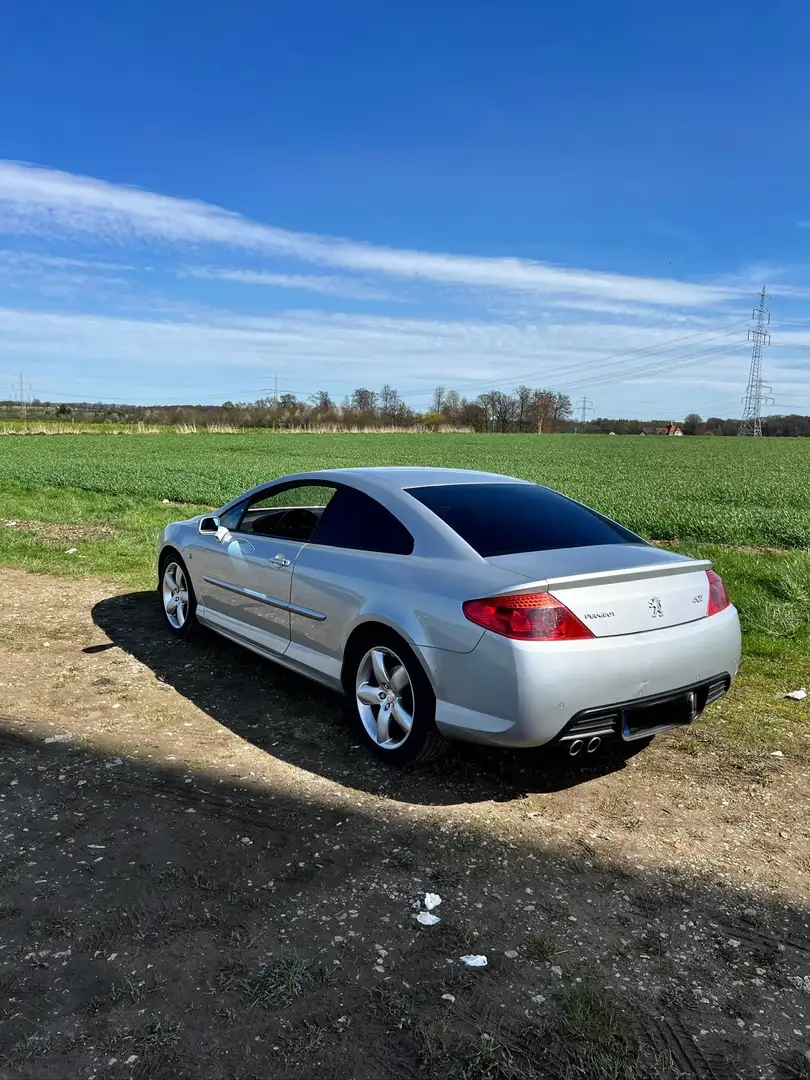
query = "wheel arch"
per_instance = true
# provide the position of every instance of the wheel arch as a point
(165, 552)
(363, 632)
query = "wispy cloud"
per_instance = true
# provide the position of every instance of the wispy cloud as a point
(315, 283)
(45, 202)
(351, 350)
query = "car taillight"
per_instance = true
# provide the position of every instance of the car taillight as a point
(526, 617)
(718, 597)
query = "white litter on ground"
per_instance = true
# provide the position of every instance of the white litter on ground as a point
(797, 695)
(474, 961)
(426, 919)
(71, 551)
(60, 738)
(432, 900)
(777, 753)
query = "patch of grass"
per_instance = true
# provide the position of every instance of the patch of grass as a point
(231, 977)
(541, 948)
(131, 993)
(588, 1016)
(302, 1045)
(595, 1040)
(456, 934)
(393, 1007)
(127, 555)
(283, 982)
(435, 1052)
(403, 859)
(157, 1037)
(487, 1059)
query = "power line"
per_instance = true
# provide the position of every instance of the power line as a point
(726, 330)
(655, 368)
(755, 397)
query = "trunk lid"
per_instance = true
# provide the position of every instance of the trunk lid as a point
(618, 588)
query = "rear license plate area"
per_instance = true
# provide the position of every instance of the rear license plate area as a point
(640, 721)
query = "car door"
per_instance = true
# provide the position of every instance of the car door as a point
(357, 549)
(245, 577)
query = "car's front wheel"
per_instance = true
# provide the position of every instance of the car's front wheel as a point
(177, 595)
(392, 701)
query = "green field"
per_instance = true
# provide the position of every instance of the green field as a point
(744, 504)
(724, 491)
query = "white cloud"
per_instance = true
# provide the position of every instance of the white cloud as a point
(342, 351)
(315, 283)
(45, 202)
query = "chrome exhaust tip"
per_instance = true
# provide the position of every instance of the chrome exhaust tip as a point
(593, 744)
(576, 747)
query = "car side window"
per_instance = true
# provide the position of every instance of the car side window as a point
(288, 513)
(231, 518)
(355, 521)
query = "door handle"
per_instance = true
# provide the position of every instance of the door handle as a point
(280, 561)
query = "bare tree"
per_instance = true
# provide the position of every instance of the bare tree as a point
(541, 409)
(438, 399)
(523, 398)
(390, 402)
(562, 410)
(363, 400)
(453, 406)
(504, 410)
(322, 402)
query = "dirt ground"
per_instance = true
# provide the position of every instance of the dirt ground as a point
(202, 876)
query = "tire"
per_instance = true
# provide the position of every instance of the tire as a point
(395, 687)
(180, 617)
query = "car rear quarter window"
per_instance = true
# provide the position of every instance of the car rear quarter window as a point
(505, 519)
(355, 521)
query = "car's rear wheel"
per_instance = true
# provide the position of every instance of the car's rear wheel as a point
(392, 701)
(177, 595)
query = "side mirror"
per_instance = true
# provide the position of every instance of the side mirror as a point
(208, 525)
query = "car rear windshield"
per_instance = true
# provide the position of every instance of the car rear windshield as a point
(504, 519)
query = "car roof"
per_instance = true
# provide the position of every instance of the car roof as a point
(407, 476)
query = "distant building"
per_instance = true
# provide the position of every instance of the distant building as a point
(670, 429)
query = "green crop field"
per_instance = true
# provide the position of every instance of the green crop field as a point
(94, 505)
(726, 491)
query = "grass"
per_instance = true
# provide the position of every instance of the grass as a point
(541, 948)
(281, 983)
(456, 934)
(596, 1040)
(727, 491)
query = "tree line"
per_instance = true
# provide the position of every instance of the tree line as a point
(526, 410)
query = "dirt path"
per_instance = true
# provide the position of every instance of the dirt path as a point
(202, 876)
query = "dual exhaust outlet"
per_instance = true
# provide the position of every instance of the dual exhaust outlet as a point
(578, 745)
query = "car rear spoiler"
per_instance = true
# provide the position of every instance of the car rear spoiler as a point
(610, 577)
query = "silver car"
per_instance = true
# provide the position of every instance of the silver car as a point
(451, 604)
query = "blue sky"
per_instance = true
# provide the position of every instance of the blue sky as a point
(585, 196)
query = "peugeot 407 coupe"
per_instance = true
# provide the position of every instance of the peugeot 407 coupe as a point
(450, 604)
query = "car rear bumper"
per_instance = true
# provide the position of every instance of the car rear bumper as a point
(521, 694)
